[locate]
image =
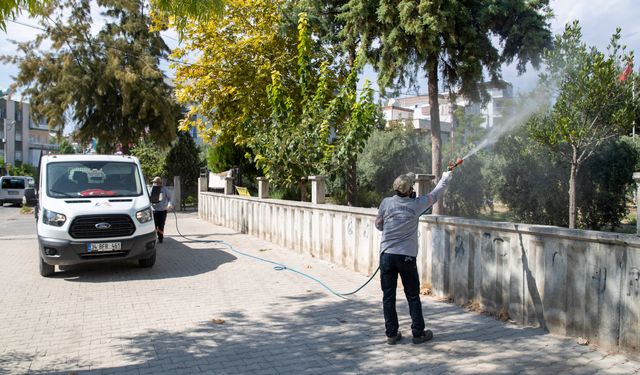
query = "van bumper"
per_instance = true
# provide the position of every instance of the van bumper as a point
(13, 199)
(68, 252)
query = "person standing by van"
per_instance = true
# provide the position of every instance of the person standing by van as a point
(160, 201)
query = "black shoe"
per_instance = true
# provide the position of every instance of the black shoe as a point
(160, 239)
(427, 335)
(394, 340)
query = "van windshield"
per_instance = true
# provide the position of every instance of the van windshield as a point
(13, 183)
(93, 179)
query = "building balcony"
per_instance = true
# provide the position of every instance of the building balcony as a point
(43, 146)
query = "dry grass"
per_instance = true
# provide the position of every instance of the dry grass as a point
(426, 290)
(475, 306)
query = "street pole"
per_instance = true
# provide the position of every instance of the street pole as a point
(5, 139)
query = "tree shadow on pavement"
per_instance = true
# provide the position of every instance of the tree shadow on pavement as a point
(317, 335)
(173, 259)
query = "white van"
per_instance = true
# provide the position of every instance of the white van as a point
(12, 188)
(93, 208)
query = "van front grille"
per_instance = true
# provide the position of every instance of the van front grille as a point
(112, 226)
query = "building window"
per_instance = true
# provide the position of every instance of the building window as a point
(18, 155)
(18, 111)
(18, 135)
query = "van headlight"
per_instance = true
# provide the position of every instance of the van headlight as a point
(144, 216)
(53, 218)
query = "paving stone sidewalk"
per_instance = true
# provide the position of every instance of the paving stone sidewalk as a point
(205, 309)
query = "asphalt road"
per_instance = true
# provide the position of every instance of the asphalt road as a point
(14, 224)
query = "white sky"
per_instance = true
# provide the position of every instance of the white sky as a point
(598, 18)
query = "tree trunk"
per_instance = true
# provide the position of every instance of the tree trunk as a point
(436, 141)
(352, 183)
(572, 190)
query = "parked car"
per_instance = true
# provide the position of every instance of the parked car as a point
(93, 208)
(12, 188)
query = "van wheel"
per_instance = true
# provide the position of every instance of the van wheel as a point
(1, 203)
(148, 262)
(46, 269)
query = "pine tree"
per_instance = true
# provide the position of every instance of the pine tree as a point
(108, 84)
(450, 40)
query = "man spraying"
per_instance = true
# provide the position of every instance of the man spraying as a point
(398, 220)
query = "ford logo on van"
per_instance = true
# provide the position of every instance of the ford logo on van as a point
(103, 226)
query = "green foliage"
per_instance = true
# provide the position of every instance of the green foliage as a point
(634, 143)
(183, 12)
(236, 55)
(224, 155)
(603, 185)
(183, 160)
(591, 105)
(191, 200)
(65, 147)
(110, 81)
(355, 118)
(529, 181)
(23, 169)
(12, 8)
(386, 155)
(152, 158)
(458, 41)
(296, 119)
(465, 195)
(533, 183)
(293, 148)
(314, 129)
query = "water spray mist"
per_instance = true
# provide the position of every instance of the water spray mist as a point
(518, 118)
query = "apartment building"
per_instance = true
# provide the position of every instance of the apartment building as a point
(416, 111)
(23, 139)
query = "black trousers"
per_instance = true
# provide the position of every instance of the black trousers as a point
(392, 265)
(160, 217)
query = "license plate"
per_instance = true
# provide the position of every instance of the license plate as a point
(104, 246)
(13, 193)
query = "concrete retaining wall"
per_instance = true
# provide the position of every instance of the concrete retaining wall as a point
(572, 282)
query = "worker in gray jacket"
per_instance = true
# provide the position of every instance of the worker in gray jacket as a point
(398, 220)
(160, 202)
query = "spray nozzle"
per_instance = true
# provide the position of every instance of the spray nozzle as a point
(452, 164)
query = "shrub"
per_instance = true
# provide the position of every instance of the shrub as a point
(387, 154)
(603, 182)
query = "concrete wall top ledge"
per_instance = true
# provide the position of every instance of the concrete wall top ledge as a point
(308, 205)
(622, 239)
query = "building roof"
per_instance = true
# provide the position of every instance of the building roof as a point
(396, 108)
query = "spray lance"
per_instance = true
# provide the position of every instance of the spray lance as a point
(453, 165)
